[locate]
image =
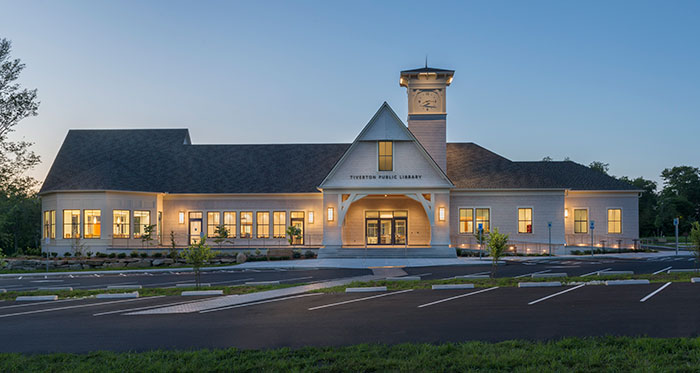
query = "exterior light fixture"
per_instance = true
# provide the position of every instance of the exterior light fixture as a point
(566, 213)
(181, 217)
(311, 217)
(441, 214)
(331, 213)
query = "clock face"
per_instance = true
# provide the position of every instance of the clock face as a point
(427, 101)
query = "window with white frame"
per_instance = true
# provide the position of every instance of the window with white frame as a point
(580, 221)
(615, 221)
(525, 220)
(466, 220)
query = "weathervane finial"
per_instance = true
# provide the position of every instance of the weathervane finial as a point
(426, 60)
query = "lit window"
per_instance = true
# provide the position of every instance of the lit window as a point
(580, 221)
(386, 155)
(230, 223)
(483, 218)
(466, 221)
(525, 220)
(71, 223)
(279, 224)
(263, 224)
(296, 219)
(120, 223)
(142, 219)
(92, 223)
(213, 221)
(246, 224)
(50, 224)
(615, 221)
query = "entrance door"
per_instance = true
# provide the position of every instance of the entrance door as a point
(296, 219)
(385, 231)
(399, 231)
(195, 227)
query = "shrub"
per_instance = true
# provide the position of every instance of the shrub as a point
(144, 255)
(66, 255)
(89, 254)
(54, 254)
(101, 255)
(309, 254)
(121, 255)
(134, 254)
(158, 255)
(296, 254)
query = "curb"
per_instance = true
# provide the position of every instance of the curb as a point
(404, 278)
(254, 283)
(57, 288)
(202, 292)
(453, 286)
(539, 284)
(118, 295)
(603, 273)
(31, 298)
(627, 282)
(680, 270)
(192, 285)
(365, 290)
(542, 275)
(472, 276)
(695, 280)
(125, 287)
(3, 291)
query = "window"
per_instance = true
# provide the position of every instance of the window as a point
(580, 221)
(525, 220)
(213, 221)
(142, 219)
(263, 224)
(92, 223)
(230, 223)
(71, 223)
(386, 155)
(50, 224)
(246, 224)
(279, 224)
(120, 223)
(615, 221)
(466, 221)
(483, 217)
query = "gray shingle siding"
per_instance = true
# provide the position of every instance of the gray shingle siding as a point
(161, 160)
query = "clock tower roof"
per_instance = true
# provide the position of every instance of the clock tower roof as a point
(426, 71)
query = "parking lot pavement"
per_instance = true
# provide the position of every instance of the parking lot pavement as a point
(349, 318)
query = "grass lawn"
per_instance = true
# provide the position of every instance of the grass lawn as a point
(611, 354)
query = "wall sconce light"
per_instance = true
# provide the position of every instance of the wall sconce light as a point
(566, 213)
(181, 217)
(330, 214)
(441, 214)
(311, 217)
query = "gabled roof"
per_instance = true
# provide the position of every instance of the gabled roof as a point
(427, 70)
(163, 160)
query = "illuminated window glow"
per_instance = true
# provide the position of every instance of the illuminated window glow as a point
(142, 219)
(263, 224)
(246, 224)
(71, 223)
(120, 223)
(230, 223)
(213, 221)
(92, 223)
(50, 224)
(580, 221)
(386, 155)
(279, 224)
(466, 221)
(615, 221)
(483, 217)
(525, 220)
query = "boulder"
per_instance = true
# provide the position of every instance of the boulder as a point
(139, 264)
(241, 258)
(162, 261)
(75, 266)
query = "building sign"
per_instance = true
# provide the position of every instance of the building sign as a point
(386, 177)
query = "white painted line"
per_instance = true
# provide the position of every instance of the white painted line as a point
(453, 286)
(661, 270)
(146, 307)
(134, 294)
(262, 283)
(72, 307)
(294, 279)
(691, 259)
(655, 292)
(404, 278)
(261, 302)
(457, 297)
(595, 272)
(365, 289)
(358, 300)
(555, 294)
(39, 303)
(532, 273)
(201, 292)
(230, 281)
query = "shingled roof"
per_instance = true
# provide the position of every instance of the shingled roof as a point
(163, 160)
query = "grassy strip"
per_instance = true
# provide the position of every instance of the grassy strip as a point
(21, 271)
(146, 292)
(611, 354)
(507, 281)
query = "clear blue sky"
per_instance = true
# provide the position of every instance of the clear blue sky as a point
(616, 81)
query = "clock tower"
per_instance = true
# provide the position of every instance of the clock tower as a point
(427, 109)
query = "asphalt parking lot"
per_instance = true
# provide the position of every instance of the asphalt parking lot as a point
(490, 314)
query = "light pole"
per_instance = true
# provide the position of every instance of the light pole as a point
(549, 225)
(675, 224)
(592, 227)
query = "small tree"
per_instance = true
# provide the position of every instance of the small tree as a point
(221, 235)
(197, 255)
(147, 235)
(293, 233)
(77, 247)
(497, 246)
(695, 240)
(173, 246)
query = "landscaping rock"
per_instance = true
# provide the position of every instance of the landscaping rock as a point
(241, 258)
(139, 264)
(76, 266)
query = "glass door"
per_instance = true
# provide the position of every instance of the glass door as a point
(399, 231)
(296, 219)
(195, 227)
(385, 231)
(372, 231)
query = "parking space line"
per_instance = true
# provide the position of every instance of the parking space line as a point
(261, 302)
(691, 259)
(595, 272)
(456, 297)
(78, 306)
(533, 273)
(662, 270)
(359, 299)
(226, 282)
(35, 303)
(298, 278)
(555, 294)
(655, 292)
(147, 307)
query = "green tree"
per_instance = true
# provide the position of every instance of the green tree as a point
(683, 181)
(221, 235)
(599, 166)
(648, 203)
(293, 233)
(497, 243)
(197, 255)
(669, 208)
(20, 210)
(695, 240)
(147, 235)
